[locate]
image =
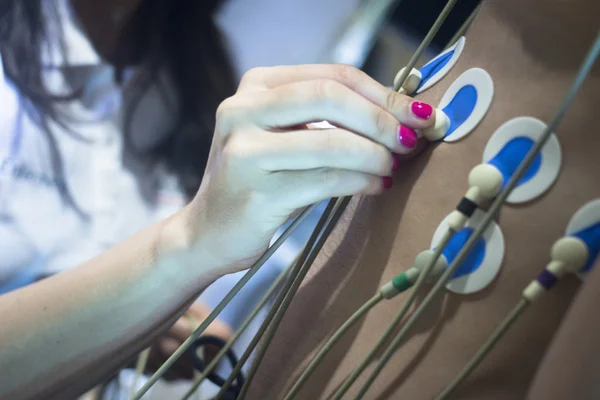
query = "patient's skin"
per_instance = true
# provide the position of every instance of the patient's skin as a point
(532, 49)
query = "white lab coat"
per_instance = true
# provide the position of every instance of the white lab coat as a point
(39, 234)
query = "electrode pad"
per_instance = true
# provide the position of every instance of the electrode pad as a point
(483, 262)
(436, 69)
(466, 102)
(509, 145)
(585, 225)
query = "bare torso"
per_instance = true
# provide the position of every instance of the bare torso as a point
(532, 50)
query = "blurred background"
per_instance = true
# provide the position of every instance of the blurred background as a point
(378, 36)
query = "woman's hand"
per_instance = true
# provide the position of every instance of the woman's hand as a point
(265, 164)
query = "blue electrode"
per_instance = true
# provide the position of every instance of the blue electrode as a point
(507, 160)
(475, 257)
(591, 237)
(430, 69)
(460, 107)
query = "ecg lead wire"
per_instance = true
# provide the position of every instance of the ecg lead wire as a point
(140, 366)
(464, 27)
(445, 240)
(358, 314)
(271, 326)
(198, 380)
(349, 381)
(568, 255)
(517, 311)
(425, 43)
(332, 207)
(213, 315)
(582, 74)
(485, 182)
(388, 291)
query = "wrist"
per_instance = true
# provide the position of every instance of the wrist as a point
(178, 249)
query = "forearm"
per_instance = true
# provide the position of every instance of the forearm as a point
(58, 336)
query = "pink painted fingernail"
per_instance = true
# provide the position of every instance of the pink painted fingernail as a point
(395, 162)
(387, 182)
(407, 137)
(421, 110)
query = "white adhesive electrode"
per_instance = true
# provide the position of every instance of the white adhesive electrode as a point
(585, 225)
(483, 263)
(436, 69)
(466, 102)
(509, 145)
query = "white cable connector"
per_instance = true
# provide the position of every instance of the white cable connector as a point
(457, 220)
(423, 259)
(412, 82)
(438, 130)
(442, 123)
(568, 255)
(485, 182)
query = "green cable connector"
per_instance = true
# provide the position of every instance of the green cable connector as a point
(402, 283)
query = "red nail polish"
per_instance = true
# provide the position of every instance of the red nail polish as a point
(407, 137)
(421, 110)
(387, 182)
(395, 163)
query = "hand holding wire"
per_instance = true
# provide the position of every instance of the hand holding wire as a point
(264, 164)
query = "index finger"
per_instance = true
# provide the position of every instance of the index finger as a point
(417, 115)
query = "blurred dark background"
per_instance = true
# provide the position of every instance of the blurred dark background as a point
(415, 17)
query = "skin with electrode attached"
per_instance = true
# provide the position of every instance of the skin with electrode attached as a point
(532, 63)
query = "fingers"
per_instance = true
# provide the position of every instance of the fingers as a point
(305, 102)
(329, 148)
(181, 330)
(400, 106)
(183, 327)
(199, 312)
(167, 346)
(297, 189)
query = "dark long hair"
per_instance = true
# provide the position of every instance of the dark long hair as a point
(176, 37)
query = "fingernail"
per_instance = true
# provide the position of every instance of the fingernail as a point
(421, 110)
(395, 162)
(407, 137)
(387, 182)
